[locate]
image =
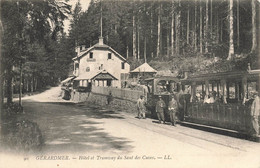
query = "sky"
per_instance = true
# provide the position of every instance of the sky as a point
(84, 5)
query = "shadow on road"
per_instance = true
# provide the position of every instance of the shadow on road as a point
(74, 128)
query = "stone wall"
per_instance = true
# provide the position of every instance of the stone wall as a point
(79, 96)
(99, 99)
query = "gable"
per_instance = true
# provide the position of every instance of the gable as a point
(100, 48)
(104, 76)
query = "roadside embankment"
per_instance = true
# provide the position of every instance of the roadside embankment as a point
(102, 100)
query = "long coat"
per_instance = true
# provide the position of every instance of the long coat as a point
(160, 105)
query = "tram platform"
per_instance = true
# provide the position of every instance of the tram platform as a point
(218, 130)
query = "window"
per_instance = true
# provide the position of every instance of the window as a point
(91, 55)
(109, 56)
(123, 65)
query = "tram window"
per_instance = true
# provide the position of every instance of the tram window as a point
(251, 89)
(200, 93)
(161, 87)
(232, 91)
(213, 87)
(187, 89)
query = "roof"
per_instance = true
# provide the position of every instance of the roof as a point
(99, 46)
(68, 79)
(168, 78)
(102, 74)
(144, 68)
(87, 75)
(230, 76)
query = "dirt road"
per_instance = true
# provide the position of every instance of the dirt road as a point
(94, 136)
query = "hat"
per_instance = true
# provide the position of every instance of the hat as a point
(159, 96)
(141, 96)
(255, 93)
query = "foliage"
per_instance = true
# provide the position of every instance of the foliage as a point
(19, 133)
(22, 135)
(12, 108)
(31, 46)
(118, 27)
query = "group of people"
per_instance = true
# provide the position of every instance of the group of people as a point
(173, 109)
(212, 97)
(160, 107)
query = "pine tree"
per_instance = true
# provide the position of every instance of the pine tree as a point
(231, 31)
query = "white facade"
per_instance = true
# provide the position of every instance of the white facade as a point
(100, 57)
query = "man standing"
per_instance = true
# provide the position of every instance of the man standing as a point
(141, 107)
(160, 105)
(255, 108)
(172, 108)
(109, 98)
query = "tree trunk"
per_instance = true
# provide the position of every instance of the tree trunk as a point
(254, 42)
(20, 84)
(238, 38)
(9, 84)
(168, 41)
(1, 76)
(127, 52)
(206, 26)
(211, 20)
(177, 30)
(172, 30)
(145, 49)
(188, 26)
(201, 24)
(27, 85)
(159, 32)
(134, 38)
(217, 27)
(32, 84)
(35, 84)
(231, 31)
(221, 29)
(195, 26)
(138, 42)
(151, 41)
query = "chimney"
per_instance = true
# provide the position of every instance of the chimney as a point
(77, 50)
(185, 74)
(83, 47)
(100, 40)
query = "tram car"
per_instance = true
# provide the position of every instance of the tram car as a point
(222, 99)
(163, 86)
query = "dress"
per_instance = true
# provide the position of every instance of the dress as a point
(141, 108)
(254, 115)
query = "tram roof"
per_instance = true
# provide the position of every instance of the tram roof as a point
(163, 78)
(232, 75)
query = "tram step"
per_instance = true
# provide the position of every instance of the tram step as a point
(221, 131)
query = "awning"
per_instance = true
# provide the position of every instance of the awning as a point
(104, 76)
(68, 79)
(87, 76)
(98, 75)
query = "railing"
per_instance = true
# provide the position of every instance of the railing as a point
(127, 94)
(229, 116)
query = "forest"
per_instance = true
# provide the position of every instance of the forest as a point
(199, 36)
